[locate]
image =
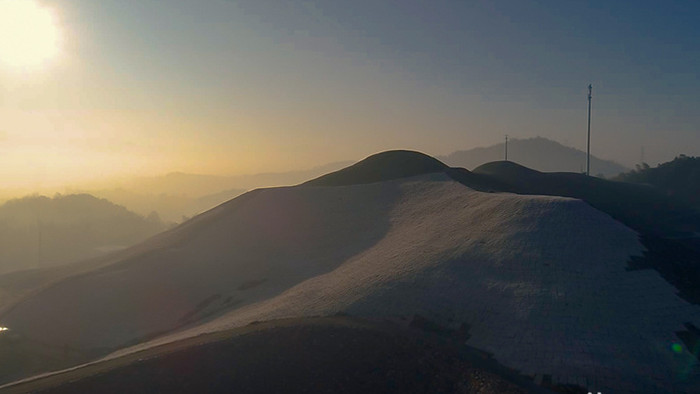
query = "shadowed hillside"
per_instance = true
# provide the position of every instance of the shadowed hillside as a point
(538, 153)
(679, 178)
(40, 231)
(641, 207)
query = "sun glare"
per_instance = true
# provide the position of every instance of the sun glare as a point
(29, 35)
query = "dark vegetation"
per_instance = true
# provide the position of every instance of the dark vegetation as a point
(679, 178)
(691, 338)
(677, 260)
(38, 231)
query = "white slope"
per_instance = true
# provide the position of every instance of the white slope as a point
(249, 249)
(541, 281)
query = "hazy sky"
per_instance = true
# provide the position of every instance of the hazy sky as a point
(230, 87)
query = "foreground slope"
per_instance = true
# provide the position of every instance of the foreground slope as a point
(321, 355)
(540, 282)
(244, 251)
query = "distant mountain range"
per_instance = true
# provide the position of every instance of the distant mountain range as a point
(552, 275)
(197, 185)
(39, 232)
(177, 196)
(538, 153)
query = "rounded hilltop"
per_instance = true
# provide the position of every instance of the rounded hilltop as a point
(504, 168)
(380, 167)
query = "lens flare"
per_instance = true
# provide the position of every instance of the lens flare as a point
(677, 348)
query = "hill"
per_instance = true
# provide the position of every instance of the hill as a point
(399, 236)
(679, 178)
(381, 167)
(38, 231)
(538, 153)
(332, 354)
(643, 208)
(668, 226)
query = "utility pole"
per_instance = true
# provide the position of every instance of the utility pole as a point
(38, 243)
(506, 147)
(588, 153)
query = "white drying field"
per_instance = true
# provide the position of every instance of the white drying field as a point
(541, 281)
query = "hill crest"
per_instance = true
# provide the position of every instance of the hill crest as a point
(384, 166)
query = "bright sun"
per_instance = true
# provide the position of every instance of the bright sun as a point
(29, 35)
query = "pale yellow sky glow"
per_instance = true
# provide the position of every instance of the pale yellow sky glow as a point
(96, 89)
(29, 34)
(86, 97)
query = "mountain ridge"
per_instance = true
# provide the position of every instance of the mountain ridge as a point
(538, 153)
(483, 248)
(39, 231)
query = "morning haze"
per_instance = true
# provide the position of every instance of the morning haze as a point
(368, 196)
(236, 87)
